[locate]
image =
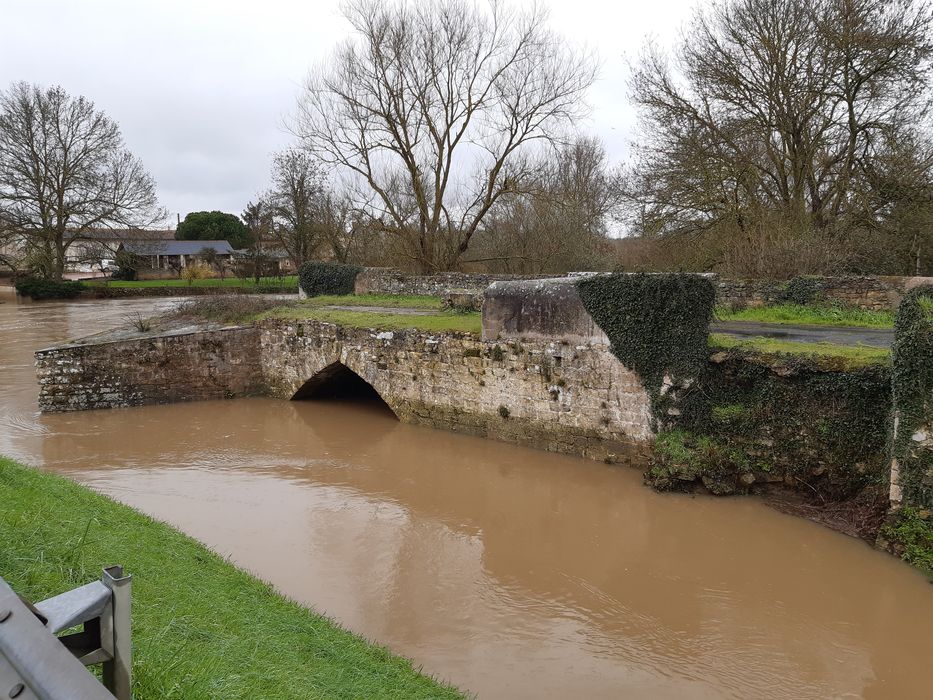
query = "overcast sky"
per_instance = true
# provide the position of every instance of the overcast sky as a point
(201, 88)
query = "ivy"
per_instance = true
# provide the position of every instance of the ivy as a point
(658, 326)
(912, 386)
(319, 278)
(795, 419)
(803, 291)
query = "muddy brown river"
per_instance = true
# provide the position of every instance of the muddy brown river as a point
(510, 572)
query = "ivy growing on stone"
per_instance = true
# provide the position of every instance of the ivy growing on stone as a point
(912, 387)
(796, 420)
(658, 325)
(803, 291)
(319, 278)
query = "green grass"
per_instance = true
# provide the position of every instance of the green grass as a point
(239, 282)
(849, 355)
(201, 627)
(811, 316)
(386, 300)
(437, 322)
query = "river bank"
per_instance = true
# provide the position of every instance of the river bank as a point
(201, 627)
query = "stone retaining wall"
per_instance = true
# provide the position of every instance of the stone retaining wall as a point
(875, 293)
(185, 366)
(384, 280)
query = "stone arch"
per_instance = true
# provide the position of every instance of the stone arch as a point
(336, 380)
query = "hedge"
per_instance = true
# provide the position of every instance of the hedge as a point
(319, 278)
(49, 289)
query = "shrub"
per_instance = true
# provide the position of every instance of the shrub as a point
(128, 265)
(319, 278)
(195, 271)
(803, 291)
(48, 289)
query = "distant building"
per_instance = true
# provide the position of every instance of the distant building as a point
(174, 255)
(92, 249)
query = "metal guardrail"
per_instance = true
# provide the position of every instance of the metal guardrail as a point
(35, 664)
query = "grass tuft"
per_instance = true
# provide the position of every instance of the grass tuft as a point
(201, 627)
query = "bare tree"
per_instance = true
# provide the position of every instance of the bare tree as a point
(783, 115)
(258, 219)
(341, 227)
(433, 107)
(212, 259)
(561, 221)
(64, 171)
(295, 201)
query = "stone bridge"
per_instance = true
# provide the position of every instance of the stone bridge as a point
(523, 382)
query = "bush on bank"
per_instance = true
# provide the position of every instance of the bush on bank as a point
(317, 278)
(201, 627)
(48, 289)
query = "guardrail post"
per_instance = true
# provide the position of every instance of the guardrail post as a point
(115, 633)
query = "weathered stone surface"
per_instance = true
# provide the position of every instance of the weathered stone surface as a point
(539, 309)
(180, 366)
(575, 399)
(876, 293)
(559, 397)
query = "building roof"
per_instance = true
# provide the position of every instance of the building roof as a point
(127, 234)
(175, 247)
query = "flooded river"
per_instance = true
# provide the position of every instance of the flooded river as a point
(512, 573)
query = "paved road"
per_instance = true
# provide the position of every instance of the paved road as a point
(838, 335)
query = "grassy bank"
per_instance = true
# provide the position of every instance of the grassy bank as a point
(847, 356)
(393, 301)
(798, 314)
(436, 322)
(201, 627)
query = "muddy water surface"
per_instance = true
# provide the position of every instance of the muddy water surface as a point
(510, 572)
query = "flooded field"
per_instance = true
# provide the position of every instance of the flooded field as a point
(512, 573)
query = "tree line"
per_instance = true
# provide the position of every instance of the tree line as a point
(777, 137)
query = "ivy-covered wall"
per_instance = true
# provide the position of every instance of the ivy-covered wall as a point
(909, 531)
(736, 421)
(757, 421)
(658, 326)
(317, 278)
